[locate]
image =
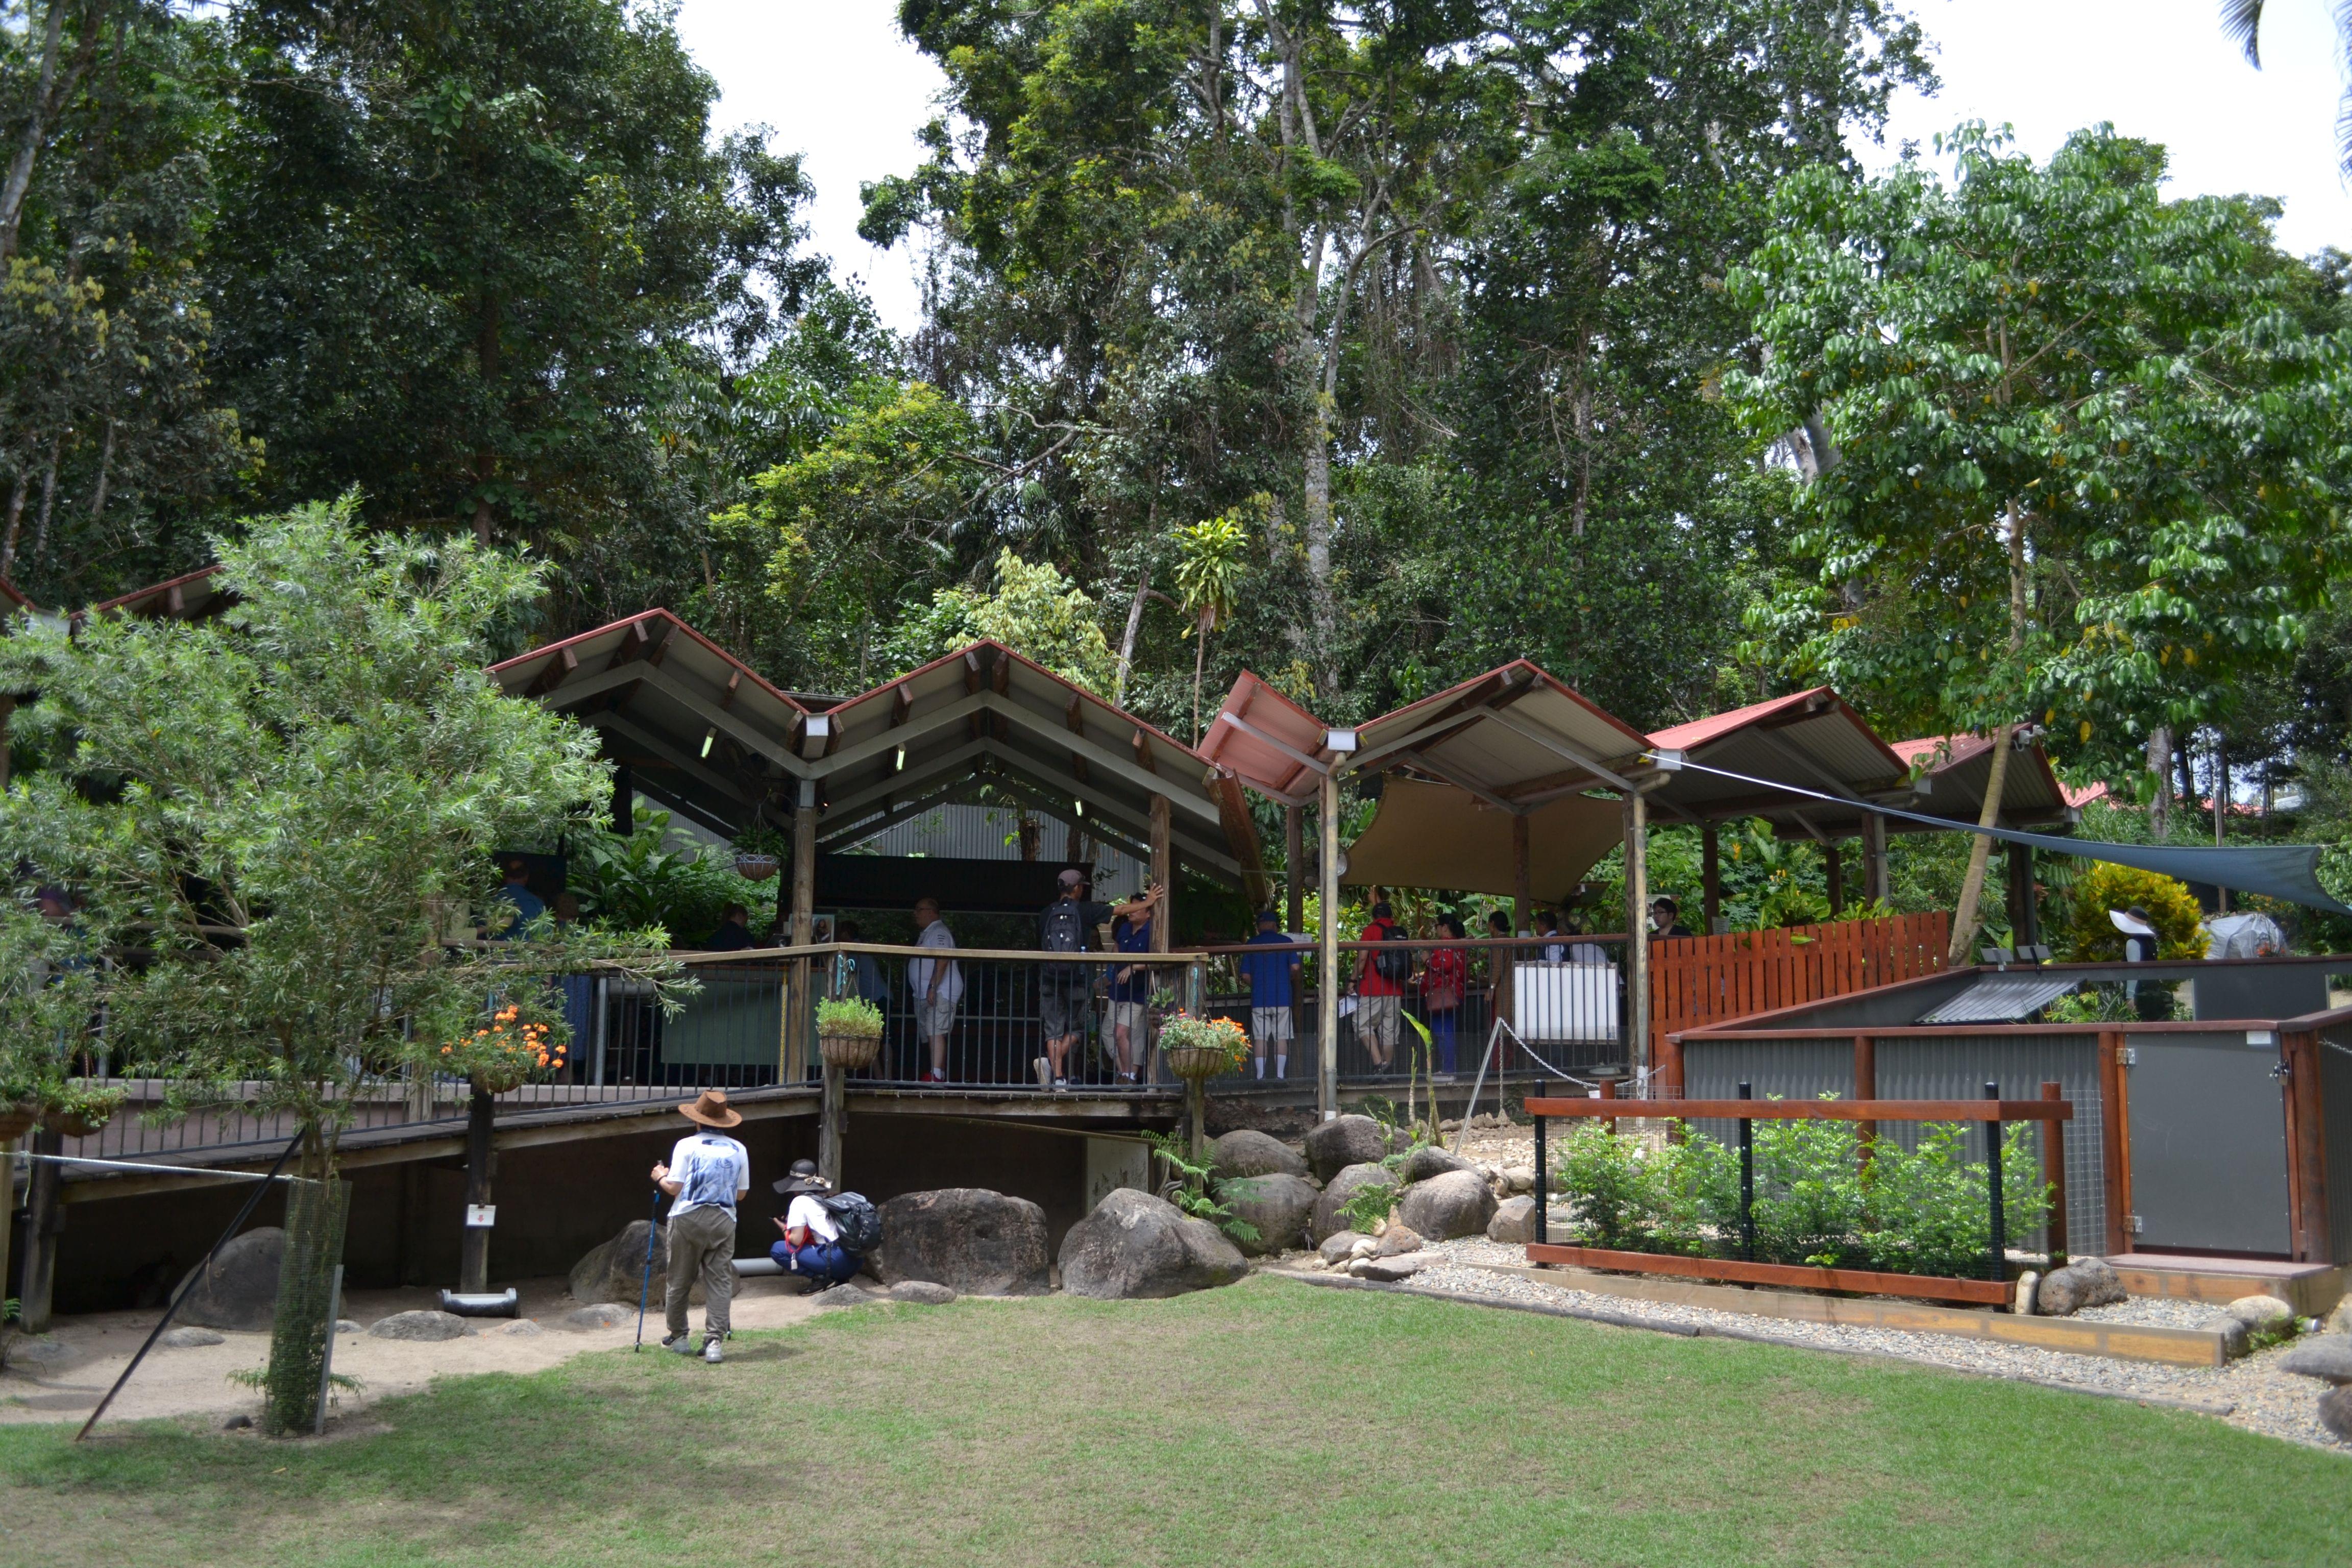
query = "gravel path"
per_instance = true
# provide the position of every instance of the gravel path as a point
(2250, 1392)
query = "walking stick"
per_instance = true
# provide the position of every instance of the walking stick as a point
(646, 1280)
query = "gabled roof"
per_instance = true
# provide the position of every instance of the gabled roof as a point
(1514, 737)
(1269, 741)
(697, 727)
(190, 597)
(1812, 740)
(1954, 771)
(13, 598)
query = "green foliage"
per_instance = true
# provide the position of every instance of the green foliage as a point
(2089, 936)
(1369, 1204)
(1190, 1192)
(638, 882)
(848, 1015)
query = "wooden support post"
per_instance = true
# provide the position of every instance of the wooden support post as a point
(2114, 1140)
(1327, 999)
(805, 866)
(1294, 855)
(2307, 1148)
(1163, 871)
(2024, 916)
(1876, 882)
(1710, 873)
(1834, 857)
(481, 1170)
(1637, 932)
(1523, 879)
(1865, 1087)
(45, 1217)
(833, 1106)
(2054, 1174)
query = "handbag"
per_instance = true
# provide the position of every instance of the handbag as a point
(1444, 998)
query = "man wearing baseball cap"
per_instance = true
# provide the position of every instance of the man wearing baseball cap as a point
(1064, 990)
(707, 1173)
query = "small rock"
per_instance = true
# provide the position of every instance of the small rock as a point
(2263, 1314)
(2236, 1339)
(923, 1292)
(425, 1325)
(1519, 1178)
(1514, 1222)
(521, 1329)
(845, 1295)
(345, 1326)
(1388, 1270)
(1366, 1246)
(1396, 1241)
(603, 1315)
(2339, 1321)
(185, 1339)
(2021, 1299)
(1245, 1152)
(1339, 1246)
(1449, 1205)
(40, 1354)
(2084, 1282)
(2327, 1356)
(238, 1423)
(2335, 1413)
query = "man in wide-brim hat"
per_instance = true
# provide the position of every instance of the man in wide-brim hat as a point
(707, 1173)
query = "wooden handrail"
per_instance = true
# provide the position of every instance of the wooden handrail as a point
(1810, 1110)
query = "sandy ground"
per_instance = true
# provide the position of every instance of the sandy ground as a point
(195, 1382)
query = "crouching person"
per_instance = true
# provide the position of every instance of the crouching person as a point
(813, 1247)
(707, 1173)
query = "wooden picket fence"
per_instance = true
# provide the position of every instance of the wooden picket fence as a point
(1713, 979)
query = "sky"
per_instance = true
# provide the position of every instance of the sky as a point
(837, 82)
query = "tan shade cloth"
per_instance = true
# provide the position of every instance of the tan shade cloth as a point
(1436, 836)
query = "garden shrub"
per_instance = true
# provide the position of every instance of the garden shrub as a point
(2091, 937)
(1613, 1193)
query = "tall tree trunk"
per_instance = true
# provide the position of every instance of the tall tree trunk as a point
(1964, 916)
(16, 520)
(2221, 805)
(1134, 605)
(1200, 657)
(105, 461)
(50, 96)
(485, 460)
(2159, 762)
(48, 502)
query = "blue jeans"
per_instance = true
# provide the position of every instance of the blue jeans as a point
(825, 1262)
(1440, 1037)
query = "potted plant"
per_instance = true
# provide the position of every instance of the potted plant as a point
(758, 853)
(1202, 1047)
(848, 1032)
(506, 1050)
(73, 1108)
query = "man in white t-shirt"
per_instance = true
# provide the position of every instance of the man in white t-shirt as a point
(812, 1244)
(708, 1174)
(937, 982)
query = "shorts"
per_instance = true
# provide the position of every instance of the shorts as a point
(1376, 1023)
(934, 1018)
(1133, 1017)
(1270, 1025)
(1062, 996)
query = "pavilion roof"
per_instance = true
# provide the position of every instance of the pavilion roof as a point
(190, 597)
(1954, 772)
(1514, 738)
(1812, 740)
(1269, 741)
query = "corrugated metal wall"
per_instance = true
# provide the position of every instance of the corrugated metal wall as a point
(971, 831)
(2336, 1120)
(1944, 1067)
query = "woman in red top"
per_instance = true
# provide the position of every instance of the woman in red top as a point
(1444, 982)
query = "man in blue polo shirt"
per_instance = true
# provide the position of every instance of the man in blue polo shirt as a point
(1274, 985)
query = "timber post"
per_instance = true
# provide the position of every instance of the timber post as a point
(1637, 932)
(45, 1217)
(1327, 1000)
(481, 1170)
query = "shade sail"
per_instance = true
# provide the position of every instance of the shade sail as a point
(2289, 871)
(1439, 835)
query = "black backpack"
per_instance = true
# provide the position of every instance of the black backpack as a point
(1395, 966)
(861, 1226)
(1063, 927)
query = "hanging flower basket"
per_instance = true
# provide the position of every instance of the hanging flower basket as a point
(16, 1120)
(756, 867)
(1197, 1049)
(848, 1032)
(848, 1052)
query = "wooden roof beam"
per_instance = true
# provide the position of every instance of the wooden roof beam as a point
(557, 671)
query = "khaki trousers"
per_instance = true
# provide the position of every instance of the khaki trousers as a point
(701, 1246)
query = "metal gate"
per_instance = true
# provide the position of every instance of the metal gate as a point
(2209, 1141)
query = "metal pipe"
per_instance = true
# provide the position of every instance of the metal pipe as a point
(480, 1303)
(1992, 1179)
(1543, 1202)
(1493, 1037)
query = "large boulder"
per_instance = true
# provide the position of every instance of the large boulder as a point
(1135, 1245)
(970, 1239)
(2335, 1413)
(1329, 1220)
(614, 1270)
(1280, 1206)
(1513, 1221)
(2084, 1282)
(240, 1289)
(1332, 1146)
(2325, 1356)
(424, 1324)
(1428, 1161)
(1249, 1152)
(1450, 1204)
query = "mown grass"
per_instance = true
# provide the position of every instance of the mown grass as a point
(1269, 1424)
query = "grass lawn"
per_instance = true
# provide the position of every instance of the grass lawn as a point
(1267, 1424)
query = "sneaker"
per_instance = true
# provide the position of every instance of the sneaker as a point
(1060, 1083)
(1448, 1077)
(682, 1344)
(711, 1353)
(935, 1076)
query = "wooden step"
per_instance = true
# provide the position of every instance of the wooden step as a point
(2311, 1289)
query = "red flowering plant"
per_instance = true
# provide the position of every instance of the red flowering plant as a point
(510, 1048)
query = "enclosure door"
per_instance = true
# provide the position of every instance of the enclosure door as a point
(2208, 1143)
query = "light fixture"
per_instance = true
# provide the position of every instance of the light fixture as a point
(901, 766)
(1340, 741)
(710, 739)
(1081, 805)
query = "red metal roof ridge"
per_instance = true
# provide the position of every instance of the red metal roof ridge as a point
(1565, 689)
(182, 581)
(874, 692)
(1716, 726)
(23, 600)
(656, 612)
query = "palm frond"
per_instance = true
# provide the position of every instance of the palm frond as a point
(2242, 22)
